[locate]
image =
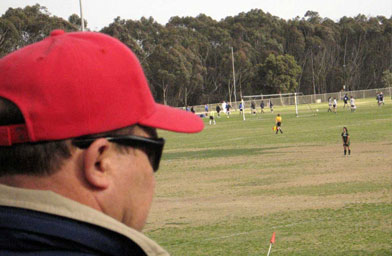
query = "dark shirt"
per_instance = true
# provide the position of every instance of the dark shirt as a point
(345, 136)
(27, 232)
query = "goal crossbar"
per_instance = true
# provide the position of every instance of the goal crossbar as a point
(272, 95)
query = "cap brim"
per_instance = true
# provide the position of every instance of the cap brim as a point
(172, 119)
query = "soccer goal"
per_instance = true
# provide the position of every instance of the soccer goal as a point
(285, 101)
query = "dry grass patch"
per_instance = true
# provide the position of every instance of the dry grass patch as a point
(189, 194)
(208, 210)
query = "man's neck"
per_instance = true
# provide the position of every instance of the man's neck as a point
(61, 182)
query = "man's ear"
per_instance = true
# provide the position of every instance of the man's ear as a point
(94, 169)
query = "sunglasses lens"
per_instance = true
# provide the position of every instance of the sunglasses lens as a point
(153, 162)
(154, 155)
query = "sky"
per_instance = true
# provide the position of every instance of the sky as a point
(100, 13)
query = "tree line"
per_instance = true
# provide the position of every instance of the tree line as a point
(189, 60)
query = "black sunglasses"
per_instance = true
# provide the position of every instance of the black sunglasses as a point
(152, 147)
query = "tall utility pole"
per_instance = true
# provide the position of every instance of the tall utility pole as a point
(232, 60)
(81, 14)
(314, 85)
(344, 75)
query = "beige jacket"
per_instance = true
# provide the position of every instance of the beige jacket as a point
(50, 202)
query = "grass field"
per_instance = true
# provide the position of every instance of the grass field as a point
(226, 190)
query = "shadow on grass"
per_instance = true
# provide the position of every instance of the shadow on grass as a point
(210, 153)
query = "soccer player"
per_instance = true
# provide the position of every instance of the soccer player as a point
(329, 104)
(352, 104)
(346, 141)
(212, 119)
(381, 98)
(271, 106)
(345, 100)
(278, 123)
(378, 99)
(224, 106)
(262, 106)
(253, 107)
(228, 107)
(241, 108)
(218, 110)
(335, 105)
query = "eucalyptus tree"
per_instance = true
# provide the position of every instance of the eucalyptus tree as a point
(20, 27)
(75, 20)
(279, 74)
(9, 36)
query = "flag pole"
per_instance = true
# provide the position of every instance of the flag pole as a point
(235, 91)
(269, 250)
(272, 241)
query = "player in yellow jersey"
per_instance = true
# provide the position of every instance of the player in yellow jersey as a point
(278, 123)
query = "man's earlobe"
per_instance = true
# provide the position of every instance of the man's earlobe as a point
(94, 170)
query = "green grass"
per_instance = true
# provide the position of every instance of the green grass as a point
(309, 232)
(225, 190)
(369, 123)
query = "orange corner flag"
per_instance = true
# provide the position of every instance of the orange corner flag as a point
(272, 241)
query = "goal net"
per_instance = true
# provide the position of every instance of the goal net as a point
(283, 102)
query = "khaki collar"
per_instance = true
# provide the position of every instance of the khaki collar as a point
(52, 203)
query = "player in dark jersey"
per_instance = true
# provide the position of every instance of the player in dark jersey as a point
(345, 100)
(218, 110)
(228, 107)
(262, 106)
(381, 98)
(212, 119)
(241, 108)
(346, 141)
(253, 107)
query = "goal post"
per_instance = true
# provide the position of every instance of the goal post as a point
(295, 99)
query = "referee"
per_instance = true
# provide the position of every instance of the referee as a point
(278, 122)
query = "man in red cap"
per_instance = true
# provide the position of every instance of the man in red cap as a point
(79, 148)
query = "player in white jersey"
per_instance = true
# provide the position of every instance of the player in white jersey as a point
(335, 105)
(352, 104)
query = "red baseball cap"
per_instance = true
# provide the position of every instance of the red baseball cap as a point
(80, 83)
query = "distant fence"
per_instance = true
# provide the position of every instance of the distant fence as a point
(302, 99)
